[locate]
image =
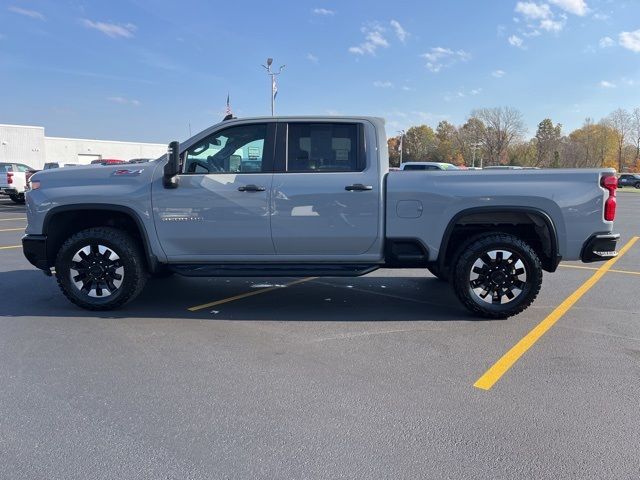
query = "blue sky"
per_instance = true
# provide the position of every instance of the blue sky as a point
(144, 70)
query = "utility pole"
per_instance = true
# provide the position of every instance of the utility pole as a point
(401, 132)
(274, 87)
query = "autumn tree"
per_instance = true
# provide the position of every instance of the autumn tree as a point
(502, 126)
(620, 121)
(393, 146)
(418, 144)
(547, 143)
(592, 145)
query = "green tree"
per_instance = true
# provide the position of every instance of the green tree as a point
(419, 144)
(469, 141)
(547, 142)
(446, 150)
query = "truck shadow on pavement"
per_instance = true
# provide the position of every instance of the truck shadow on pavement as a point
(363, 299)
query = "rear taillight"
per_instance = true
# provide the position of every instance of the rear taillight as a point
(10, 178)
(611, 184)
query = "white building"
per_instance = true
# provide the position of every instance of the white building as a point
(29, 145)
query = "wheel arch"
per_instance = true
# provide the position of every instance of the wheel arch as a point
(507, 219)
(65, 220)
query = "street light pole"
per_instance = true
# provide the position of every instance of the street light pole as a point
(274, 88)
(401, 132)
(474, 147)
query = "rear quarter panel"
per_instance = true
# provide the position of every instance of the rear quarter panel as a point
(573, 199)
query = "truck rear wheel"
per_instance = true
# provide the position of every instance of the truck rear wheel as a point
(17, 198)
(497, 275)
(100, 268)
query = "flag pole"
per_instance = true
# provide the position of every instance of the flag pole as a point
(274, 87)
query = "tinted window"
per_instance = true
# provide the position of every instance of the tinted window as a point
(233, 150)
(322, 147)
(5, 167)
(22, 168)
(421, 167)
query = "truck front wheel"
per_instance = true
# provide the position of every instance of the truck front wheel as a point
(100, 268)
(497, 275)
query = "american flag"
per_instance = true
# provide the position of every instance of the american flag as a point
(228, 109)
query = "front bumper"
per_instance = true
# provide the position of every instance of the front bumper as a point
(600, 247)
(35, 249)
(8, 191)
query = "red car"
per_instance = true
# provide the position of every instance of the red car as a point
(107, 161)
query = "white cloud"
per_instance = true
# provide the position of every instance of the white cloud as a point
(439, 58)
(606, 84)
(533, 10)
(606, 42)
(27, 13)
(630, 40)
(373, 39)
(407, 88)
(323, 11)
(516, 41)
(498, 73)
(600, 16)
(476, 91)
(577, 7)
(111, 29)
(400, 32)
(312, 58)
(381, 84)
(125, 101)
(551, 25)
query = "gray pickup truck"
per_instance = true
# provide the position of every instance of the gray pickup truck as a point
(312, 196)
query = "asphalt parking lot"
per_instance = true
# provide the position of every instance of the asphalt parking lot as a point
(370, 377)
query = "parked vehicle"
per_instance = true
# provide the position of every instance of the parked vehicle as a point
(108, 161)
(629, 180)
(322, 203)
(13, 180)
(422, 166)
(50, 165)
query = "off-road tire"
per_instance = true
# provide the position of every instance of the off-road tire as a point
(463, 269)
(130, 258)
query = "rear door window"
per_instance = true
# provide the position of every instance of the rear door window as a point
(324, 147)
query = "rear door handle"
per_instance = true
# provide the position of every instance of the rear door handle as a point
(251, 188)
(358, 187)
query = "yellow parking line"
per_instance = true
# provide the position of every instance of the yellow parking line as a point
(11, 219)
(628, 272)
(11, 229)
(10, 246)
(498, 369)
(245, 295)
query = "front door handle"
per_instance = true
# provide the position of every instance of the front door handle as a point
(358, 187)
(251, 188)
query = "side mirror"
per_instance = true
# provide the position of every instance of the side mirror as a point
(172, 168)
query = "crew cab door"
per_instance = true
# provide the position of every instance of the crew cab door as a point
(220, 209)
(326, 193)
